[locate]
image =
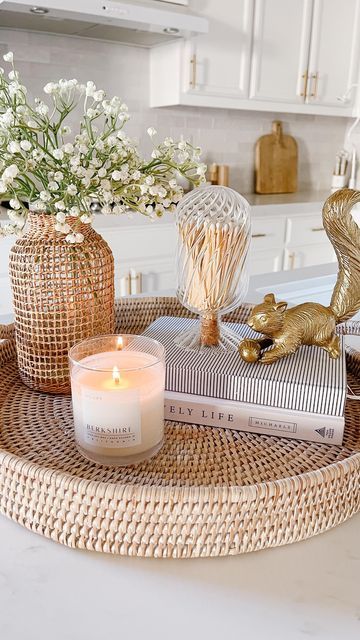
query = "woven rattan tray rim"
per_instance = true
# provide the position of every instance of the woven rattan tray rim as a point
(333, 488)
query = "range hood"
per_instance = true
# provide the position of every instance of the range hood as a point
(144, 23)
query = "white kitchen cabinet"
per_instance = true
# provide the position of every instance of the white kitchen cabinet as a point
(226, 73)
(300, 256)
(206, 69)
(264, 55)
(305, 51)
(334, 50)
(280, 50)
(265, 261)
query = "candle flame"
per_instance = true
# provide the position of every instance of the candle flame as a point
(116, 375)
(120, 343)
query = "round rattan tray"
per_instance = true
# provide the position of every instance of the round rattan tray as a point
(209, 492)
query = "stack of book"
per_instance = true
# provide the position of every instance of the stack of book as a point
(301, 396)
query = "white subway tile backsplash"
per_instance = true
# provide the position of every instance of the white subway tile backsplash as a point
(226, 136)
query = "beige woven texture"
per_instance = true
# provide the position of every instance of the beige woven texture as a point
(53, 286)
(209, 492)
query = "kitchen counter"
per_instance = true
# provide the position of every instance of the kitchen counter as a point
(306, 590)
(299, 197)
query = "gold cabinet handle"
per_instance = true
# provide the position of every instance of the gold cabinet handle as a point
(318, 229)
(193, 71)
(258, 235)
(292, 257)
(314, 84)
(305, 78)
(135, 281)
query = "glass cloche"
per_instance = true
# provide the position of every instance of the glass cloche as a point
(213, 225)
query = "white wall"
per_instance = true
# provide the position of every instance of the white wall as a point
(226, 136)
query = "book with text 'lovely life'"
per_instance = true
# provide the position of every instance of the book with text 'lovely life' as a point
(301, 396)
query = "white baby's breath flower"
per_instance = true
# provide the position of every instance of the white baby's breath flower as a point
(172, 183)
(149, 180)
(118, 209)
(70, 238)
(45, 196)
(106, 210)
(3, 187)
(168, 142)
(72, 189)
(15, 204)
(79, 237)
(13, 75)
(9, 57)
(74, 211)
(53, 186)
(162, 192)
(58, 154)
(86, 218)
(10, 173)
(201, 169)
(152, 132)
(13, 147)
(25, 145)
(61, 217)
(91, 113)
(63, 227)
(50, 88)
(90, 88)
(58, 176)
(99, 95)
(105, 184)
(60, 204)
(42, 109)
(116, 175)
(68, 147)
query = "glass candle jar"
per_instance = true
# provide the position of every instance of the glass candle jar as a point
(117, 386)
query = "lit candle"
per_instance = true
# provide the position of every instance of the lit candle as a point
(118, 398)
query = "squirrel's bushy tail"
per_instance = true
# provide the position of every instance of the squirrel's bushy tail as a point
(344, 235)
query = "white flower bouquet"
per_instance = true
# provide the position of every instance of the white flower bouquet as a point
(43, 168)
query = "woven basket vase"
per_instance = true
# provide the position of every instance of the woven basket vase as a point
(62, 293)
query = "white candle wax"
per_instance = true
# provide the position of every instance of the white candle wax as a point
(118, 415)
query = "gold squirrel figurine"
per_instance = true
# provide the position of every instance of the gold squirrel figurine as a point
(311, 323)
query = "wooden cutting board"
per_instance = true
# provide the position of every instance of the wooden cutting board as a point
(276, 162)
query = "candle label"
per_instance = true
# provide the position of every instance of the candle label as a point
(119, 427)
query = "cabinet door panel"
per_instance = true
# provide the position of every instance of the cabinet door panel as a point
(334, 51)
(218, 63)
(265, 261)
(307, 229)
(280, 50)
(308, 256)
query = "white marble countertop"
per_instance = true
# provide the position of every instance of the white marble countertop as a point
(305, 590)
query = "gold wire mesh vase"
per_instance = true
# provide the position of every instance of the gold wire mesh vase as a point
(213, 225)
(62, 293)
